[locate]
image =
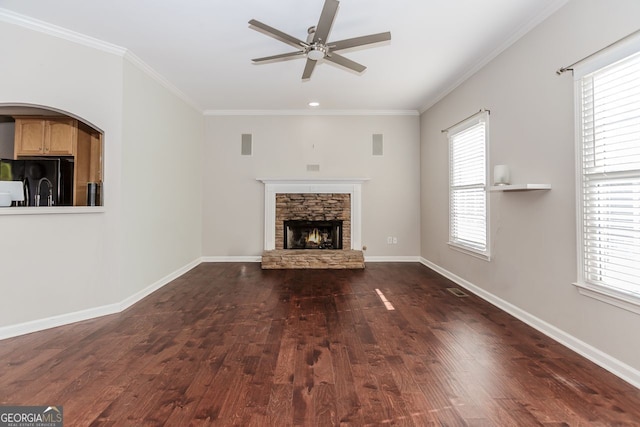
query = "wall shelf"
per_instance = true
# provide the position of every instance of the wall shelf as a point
(520, 187)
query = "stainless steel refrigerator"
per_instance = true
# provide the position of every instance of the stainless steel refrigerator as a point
(53, 177)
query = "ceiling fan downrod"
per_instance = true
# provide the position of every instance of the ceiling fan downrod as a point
(316, 50)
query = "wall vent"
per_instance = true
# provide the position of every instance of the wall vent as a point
(458, 292)
(313, 168)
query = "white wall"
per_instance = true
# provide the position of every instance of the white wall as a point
(57, 264)
(162, 182)
(533, 233)
(60, 267)
(233, 201)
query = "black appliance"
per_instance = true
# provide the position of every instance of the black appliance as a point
(36, 171)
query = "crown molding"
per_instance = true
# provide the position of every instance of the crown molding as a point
(59, 32)
(148, 70)
(311, 113)
(82, 39)
(517, 35)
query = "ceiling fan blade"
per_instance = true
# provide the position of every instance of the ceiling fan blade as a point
(308, 69)
(360, 41)
(327, 16)
(282, 56)
(277, 34)
(345, 62)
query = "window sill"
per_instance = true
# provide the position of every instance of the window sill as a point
(465, 250)
(51, 210)
(625, 300)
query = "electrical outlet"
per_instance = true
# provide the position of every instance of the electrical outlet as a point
(389, 240)
(395, 240)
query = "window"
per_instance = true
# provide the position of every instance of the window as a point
(608, 146)
(468, 201)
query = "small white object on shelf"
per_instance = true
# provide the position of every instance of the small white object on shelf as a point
(520, 187)
(501, 175)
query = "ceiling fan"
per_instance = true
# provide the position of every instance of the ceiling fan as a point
(316, 46)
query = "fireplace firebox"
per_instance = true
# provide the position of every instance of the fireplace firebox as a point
(303, 234)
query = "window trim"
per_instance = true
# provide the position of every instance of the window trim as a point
(607, 294)
(481, 116)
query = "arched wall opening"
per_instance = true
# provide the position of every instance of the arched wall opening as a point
(56, 155)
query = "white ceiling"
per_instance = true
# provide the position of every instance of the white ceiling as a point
(204, 47)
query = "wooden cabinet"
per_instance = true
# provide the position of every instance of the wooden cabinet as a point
(45, 136)
(29, 139)
(88, 163)
(62, 137)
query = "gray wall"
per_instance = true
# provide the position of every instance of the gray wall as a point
(532, 130)
(233, 201)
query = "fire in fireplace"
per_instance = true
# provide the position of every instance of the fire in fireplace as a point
(312, 234)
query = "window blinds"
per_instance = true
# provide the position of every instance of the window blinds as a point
(610, 163)
(467, 193)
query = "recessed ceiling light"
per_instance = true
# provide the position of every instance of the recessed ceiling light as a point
(314, 104)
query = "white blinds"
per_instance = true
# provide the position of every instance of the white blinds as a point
(467, 193)
(610, 162)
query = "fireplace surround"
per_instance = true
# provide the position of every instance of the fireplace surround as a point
(323, 200)
(313, 207)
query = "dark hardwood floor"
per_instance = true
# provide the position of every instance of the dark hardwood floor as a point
(231, 344)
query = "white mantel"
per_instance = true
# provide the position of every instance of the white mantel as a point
(273, 186)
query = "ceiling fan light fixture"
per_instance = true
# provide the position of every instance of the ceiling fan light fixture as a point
(316, 52)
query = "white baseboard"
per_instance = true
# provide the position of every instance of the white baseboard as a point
(391, 259)
(91, 313)
(611, 364)
(129, 301)
(55, 321)
(257, 258)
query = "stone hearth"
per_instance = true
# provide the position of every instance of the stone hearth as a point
(312, 258)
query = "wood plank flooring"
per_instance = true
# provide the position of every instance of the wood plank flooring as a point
(231, 344)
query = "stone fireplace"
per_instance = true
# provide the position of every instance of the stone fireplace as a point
(308, 209)
(312, 224)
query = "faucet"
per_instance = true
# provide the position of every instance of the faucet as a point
(50, 197)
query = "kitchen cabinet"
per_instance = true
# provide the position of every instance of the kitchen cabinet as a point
(40, 136)
(62, 137)
(88, 163)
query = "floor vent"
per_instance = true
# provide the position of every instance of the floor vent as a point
(458, 292)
